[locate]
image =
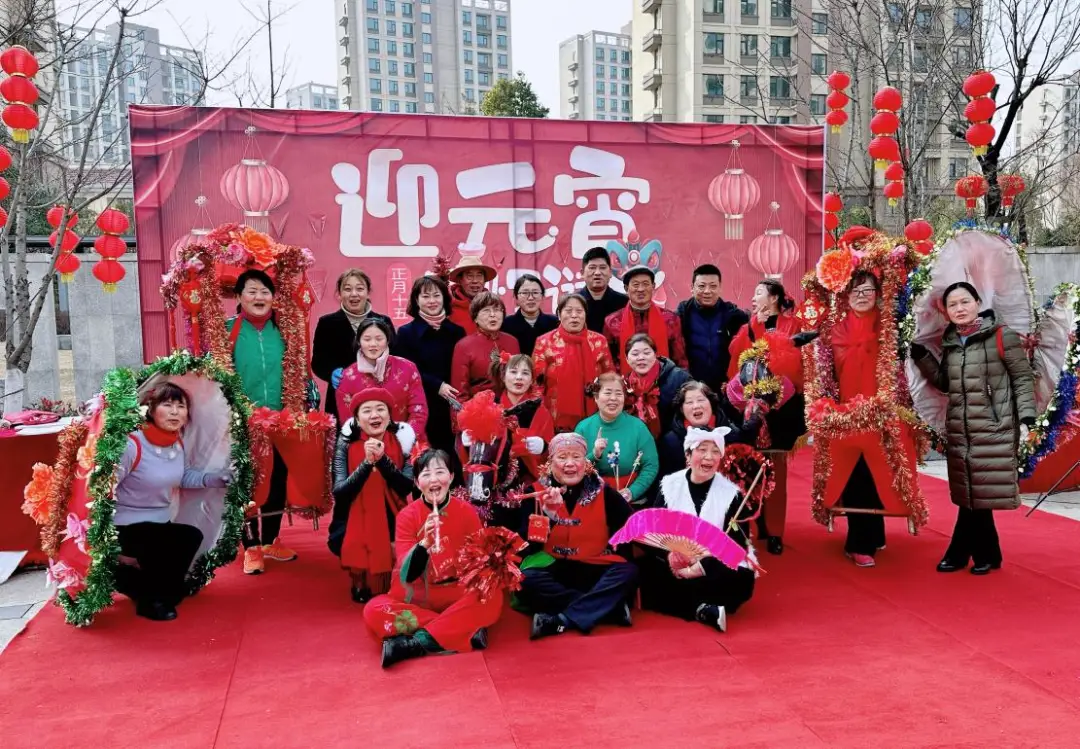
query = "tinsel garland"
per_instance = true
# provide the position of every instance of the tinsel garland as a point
(63, 472)
(265, 424)
(291, 319)
(121, 418)
(741, 464)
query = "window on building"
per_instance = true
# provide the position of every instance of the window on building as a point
(714, 86)
(425, 38)
(626, 74)
(429, 97)
(600, 54)
(779, 87)
(748, 86)
(962, 17)
(748, 7)
(780, 46)
(600, 70)
(470, 94)
(716, 119)
(485, 78)
(372, 45)
(375, 85)
(410, 107)
(504, 76)
(429, 78)
(614, 72)
(407, 30)
(410, 88)
(373, 5)
(376, 105)
(428, 59)
(896, 13)
(600, 87)
(747, 119)
(469, 75)
(961, 55)
(391, 47)
(466, 36)
(819, 63)
(391, 28)
(393, 90)
(613, 89)
(625, 57)
(817, 104)
(614, 55)
(483, 21)
(408, 49)
(504, 61)
(373, 25)
(819, 23)
(425, 18)
(468, 57)
(781, 9)
(625, 105)
(957, 168)
(716, 7)
(406, 10)
(613, 105)
(920, 61)
(600, 105)
(410, 70)
(601, 117)
(748, 45)
(373, 65)
(390, 7)
(924, 17)
(483, 40)
(483, 59)
(500, 23)
(714, 44)
(501, 41)
(626, 90)
(395, 105)
(466, 18)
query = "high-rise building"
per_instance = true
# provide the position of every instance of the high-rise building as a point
(1047, 147)
(312, 96)
(148, 72)
(596, 77)
(733, 61)
(435, 56)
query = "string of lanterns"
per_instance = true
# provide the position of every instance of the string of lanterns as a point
(19, 91)
(837, 100)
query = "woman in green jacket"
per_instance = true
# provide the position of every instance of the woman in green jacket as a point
(986, 375)
(623, 450)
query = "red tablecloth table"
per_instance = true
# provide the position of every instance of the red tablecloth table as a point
(17, 457)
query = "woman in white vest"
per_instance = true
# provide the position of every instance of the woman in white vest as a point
(705, 590)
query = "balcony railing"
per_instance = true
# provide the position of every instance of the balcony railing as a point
(714, 99)
(651, 80)
(713, 58)
(781, 101)
(781, 21)
(708, 17)
(650, 6)
(748, 100)
(651, 41)
(656, 114)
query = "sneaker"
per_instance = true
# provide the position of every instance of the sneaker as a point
(545, 625)
(277, 552)
(862, 560)
(712, 615)
(253, 561)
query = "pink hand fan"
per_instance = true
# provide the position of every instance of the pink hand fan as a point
(680, 532)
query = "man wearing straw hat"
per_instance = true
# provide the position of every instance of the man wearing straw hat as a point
(467, 279)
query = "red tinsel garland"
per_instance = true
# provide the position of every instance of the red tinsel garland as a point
(69, 441)
(489, 561)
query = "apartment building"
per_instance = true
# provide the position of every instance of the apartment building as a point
(596, 77)
(730, 61)
(1047, 146)
(312, 96)
(434, 56)
(149, 72)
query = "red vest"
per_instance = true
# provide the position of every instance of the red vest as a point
(582, 535)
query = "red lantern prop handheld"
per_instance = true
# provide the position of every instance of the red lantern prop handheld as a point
(1010, 185)
(971, 188)
(19, 91)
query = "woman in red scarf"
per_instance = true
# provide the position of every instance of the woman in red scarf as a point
(372, 483)
(568, 359)
(534, 426)
(652, 382)
(474, 355)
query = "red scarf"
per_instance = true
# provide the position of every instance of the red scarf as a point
(459, 309)
(644, 396)
(855, 344)
(655, 327)
(577, 357)
(688, 426)
(257, 322)
(367, 543)
(970, 329)
(159, 437)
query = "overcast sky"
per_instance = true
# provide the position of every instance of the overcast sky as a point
(309, 32)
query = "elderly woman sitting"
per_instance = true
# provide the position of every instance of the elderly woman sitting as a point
(704, 590)
(572, 578)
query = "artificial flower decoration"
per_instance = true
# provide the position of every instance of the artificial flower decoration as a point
(36, 493)
(834, 269)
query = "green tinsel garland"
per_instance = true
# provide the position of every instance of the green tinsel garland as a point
(122, 417)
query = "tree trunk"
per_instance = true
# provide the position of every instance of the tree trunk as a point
(19, 329)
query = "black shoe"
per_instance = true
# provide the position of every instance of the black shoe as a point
(984, 569)
(946, 565)
(621, 616)
(361, 595)
(126, 581)
(479, 639)
(545, 625)
(714, 616)
(156, 611)
(401, 648)
(774, 545)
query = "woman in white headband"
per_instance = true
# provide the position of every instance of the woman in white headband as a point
(704, 590)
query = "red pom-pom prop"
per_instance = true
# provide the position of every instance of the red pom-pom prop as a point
(489, 561)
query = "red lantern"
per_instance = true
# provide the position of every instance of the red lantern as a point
(254, 187)
(836, 119)
(971, 188)
(894, 191)
(924, 247)
(830, 241)
(56, 215)
(919, 230)
(110, 246)
(979, 136)
(5, 188)
(979, 83)
(894, 172)
(837, 100)
(15, 88)
(21, 119)
(66, 265)
(18, 60)
(838, 80)
(773, 252)
(3, 218)
(833, 203)
(5, 159)
(885, 123)
(734, 193)
(112, 221)
(884, 151)
(68, 243)
(110, 273)
(832, 222)
(888, 99)
(980, 110)
(1010, 185)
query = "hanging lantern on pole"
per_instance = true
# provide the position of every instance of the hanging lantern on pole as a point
(110, 273)
(56, 215)
(19, 92)
(886, 122)
(837, 100)
(883, 150)
(894, 182)
(918, 232)
(1010, 186)
(111, 247)
(970, 189)
(980, 110)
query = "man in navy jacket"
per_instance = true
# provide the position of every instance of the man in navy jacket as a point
(708, 325)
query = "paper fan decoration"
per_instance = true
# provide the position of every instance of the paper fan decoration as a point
(680, 532)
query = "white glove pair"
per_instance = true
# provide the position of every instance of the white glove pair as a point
(535, 445)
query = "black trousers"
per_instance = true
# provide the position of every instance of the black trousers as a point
(583, 593)
(275, 502)
(164, 552)
(974, 538)
(721, 586)
(866, 533)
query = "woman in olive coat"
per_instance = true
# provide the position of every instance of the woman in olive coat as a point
(986, 375)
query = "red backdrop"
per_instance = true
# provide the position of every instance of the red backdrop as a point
(388, 192)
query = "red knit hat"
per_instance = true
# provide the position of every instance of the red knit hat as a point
(382, 395)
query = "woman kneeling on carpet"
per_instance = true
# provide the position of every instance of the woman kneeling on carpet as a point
(372, 484)
(573, 580)
(432, 615)
(706, 590)
(151, 473)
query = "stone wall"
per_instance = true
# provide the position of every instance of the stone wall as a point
(1052, 265)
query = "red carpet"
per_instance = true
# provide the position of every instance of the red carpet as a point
(824, 655)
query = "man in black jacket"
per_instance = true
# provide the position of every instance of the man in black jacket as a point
(600, 299)
(708, 325)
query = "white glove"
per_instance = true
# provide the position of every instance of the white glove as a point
(535, 445)
(466, 438)
(1024, 432)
